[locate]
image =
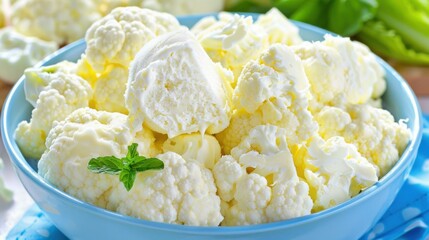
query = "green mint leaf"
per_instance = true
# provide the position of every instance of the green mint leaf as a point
(132, 151)
(127, 177)
(143, 164)
(127, 167)
(109, 164)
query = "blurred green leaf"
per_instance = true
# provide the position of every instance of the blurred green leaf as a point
(388, 43)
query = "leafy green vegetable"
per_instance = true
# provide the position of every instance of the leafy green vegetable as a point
(388, 43)
(126, 167)
(347, 17)
(408, 21)
(257, 6)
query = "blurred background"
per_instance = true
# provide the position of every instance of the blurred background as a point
(30, 30)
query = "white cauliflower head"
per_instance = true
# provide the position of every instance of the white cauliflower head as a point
(60, 21)
(233, 40)
(63, 94)
(117, 37)
(18, 52)
(259, 182)
(204, 149)
(271, 90)
(182, 193)
(37, 79)
(184, 7)
(372, 130)
(335, 171)
(278, 28)
(325, 71)
(341, 72)
(277, 73)
(86, 134)
(363, 75)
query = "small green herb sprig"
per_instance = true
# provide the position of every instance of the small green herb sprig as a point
(126, 167)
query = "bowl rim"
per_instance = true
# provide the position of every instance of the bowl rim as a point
(21, 163)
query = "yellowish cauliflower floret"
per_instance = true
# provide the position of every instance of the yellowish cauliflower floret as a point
(335, 171)
(277, 73)
(18, 52)
(184, 7)
(86, 134)
(174, 88)
(372, 130)
(278, 28)
(325, 71)
(110, 88)
(37, 79)
(204, 149)
(64, 94)
(233, 40)
(183, 193)
(117, 37)
(271, 90)
(363, 76)
(60, 21)
(341, 72)
(85, 71)
(259, 183)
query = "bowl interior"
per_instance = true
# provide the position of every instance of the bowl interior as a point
(398, 99)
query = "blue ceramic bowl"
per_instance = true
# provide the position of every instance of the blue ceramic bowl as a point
(349, 220)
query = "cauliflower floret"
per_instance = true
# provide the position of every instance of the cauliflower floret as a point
(363, 75)
(147, 143)
(18, 52)
(110, 88)
(204, 149)
(251, 198)
(325, 71)
(278, 28)
(183, 193)
(266, 151)
(85, 70)
(232, 40)
(227, 171)
(259, 182)
(86, 134)
(277, 73)
(37, 79)
(373, 130)
(184, 7)
(341, 72)
(290, 199)
(271, 90)
(60, 21)
(117, 37)
(335, 171)
(64, 94)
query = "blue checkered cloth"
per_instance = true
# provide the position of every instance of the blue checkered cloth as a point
(407, 218)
